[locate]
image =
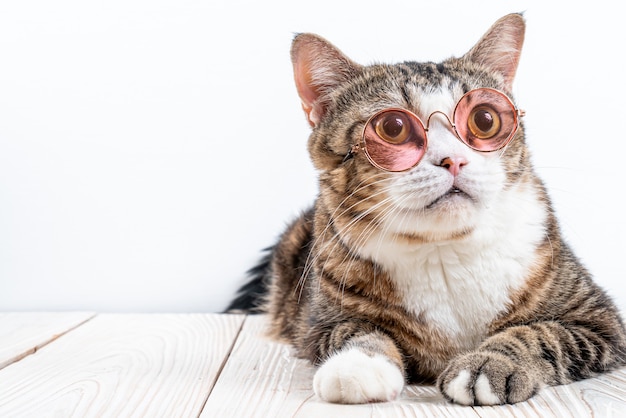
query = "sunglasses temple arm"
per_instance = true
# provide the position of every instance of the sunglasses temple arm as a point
(353, 150)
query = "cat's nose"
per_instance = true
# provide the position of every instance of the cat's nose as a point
(453, 164)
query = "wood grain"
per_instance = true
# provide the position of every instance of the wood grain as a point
(190, 365)
(604, 396)
(275, 384)
(122, 366)
(263, 379)
(22, 334)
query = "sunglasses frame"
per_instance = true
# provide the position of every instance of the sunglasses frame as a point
(517, 115)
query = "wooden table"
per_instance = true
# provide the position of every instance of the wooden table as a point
(209, 365)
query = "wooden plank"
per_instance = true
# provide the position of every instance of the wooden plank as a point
(422, 401)
(22, 334)
(123, 366)
(604, 396)
(262, 378)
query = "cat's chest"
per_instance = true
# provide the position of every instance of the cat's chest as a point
(456, 291)
(460, 287)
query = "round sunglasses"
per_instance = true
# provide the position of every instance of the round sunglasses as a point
(395, 139)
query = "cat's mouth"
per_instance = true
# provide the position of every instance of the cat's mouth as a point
(453, 193)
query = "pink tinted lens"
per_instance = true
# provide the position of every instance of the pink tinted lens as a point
(485, 119)
(395, 140)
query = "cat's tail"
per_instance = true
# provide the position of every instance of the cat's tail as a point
(250, 297)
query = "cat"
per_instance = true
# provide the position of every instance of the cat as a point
(432, 252)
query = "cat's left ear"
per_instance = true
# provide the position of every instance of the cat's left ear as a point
(318, 67)
(500, 48)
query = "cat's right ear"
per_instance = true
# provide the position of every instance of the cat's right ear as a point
(500, 48)
(318, 67)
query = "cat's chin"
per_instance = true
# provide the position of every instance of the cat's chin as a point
(446, 220)
(450, 216)
(455, 204)
(453, 200)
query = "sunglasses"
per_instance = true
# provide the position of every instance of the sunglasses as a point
(395, 139)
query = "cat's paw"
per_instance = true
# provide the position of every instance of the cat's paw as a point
(486, 378)
(352, 377)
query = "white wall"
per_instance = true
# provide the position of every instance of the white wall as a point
(150, 149)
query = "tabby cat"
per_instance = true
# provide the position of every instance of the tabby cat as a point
(432, 252)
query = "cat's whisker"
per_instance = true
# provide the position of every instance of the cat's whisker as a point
(380, 219)
(363, 237)
(309, 263)
(367, 230)
(367, 183)
(335, 241)
(343, 232)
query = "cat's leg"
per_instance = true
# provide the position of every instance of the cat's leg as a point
(513, 365)
(367, 368)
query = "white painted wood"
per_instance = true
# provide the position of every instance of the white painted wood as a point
(604, 396)
(122, 366)
(22, 334)
(160, 365)
(263, 379)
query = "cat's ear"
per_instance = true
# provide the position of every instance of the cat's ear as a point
(319, 67)
(500, 48)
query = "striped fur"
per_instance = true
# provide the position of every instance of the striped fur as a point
(388, 278)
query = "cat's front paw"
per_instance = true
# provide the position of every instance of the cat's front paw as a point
(487, 378)
(352, 377)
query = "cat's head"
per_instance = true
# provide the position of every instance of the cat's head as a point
(453, 185)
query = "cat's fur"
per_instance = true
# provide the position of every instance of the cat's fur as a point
(389, 277)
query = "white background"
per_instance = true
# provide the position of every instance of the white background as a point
(149, 149)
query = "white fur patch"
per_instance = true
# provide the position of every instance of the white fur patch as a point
(352, 377)
(483, 392)
(457, 389)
